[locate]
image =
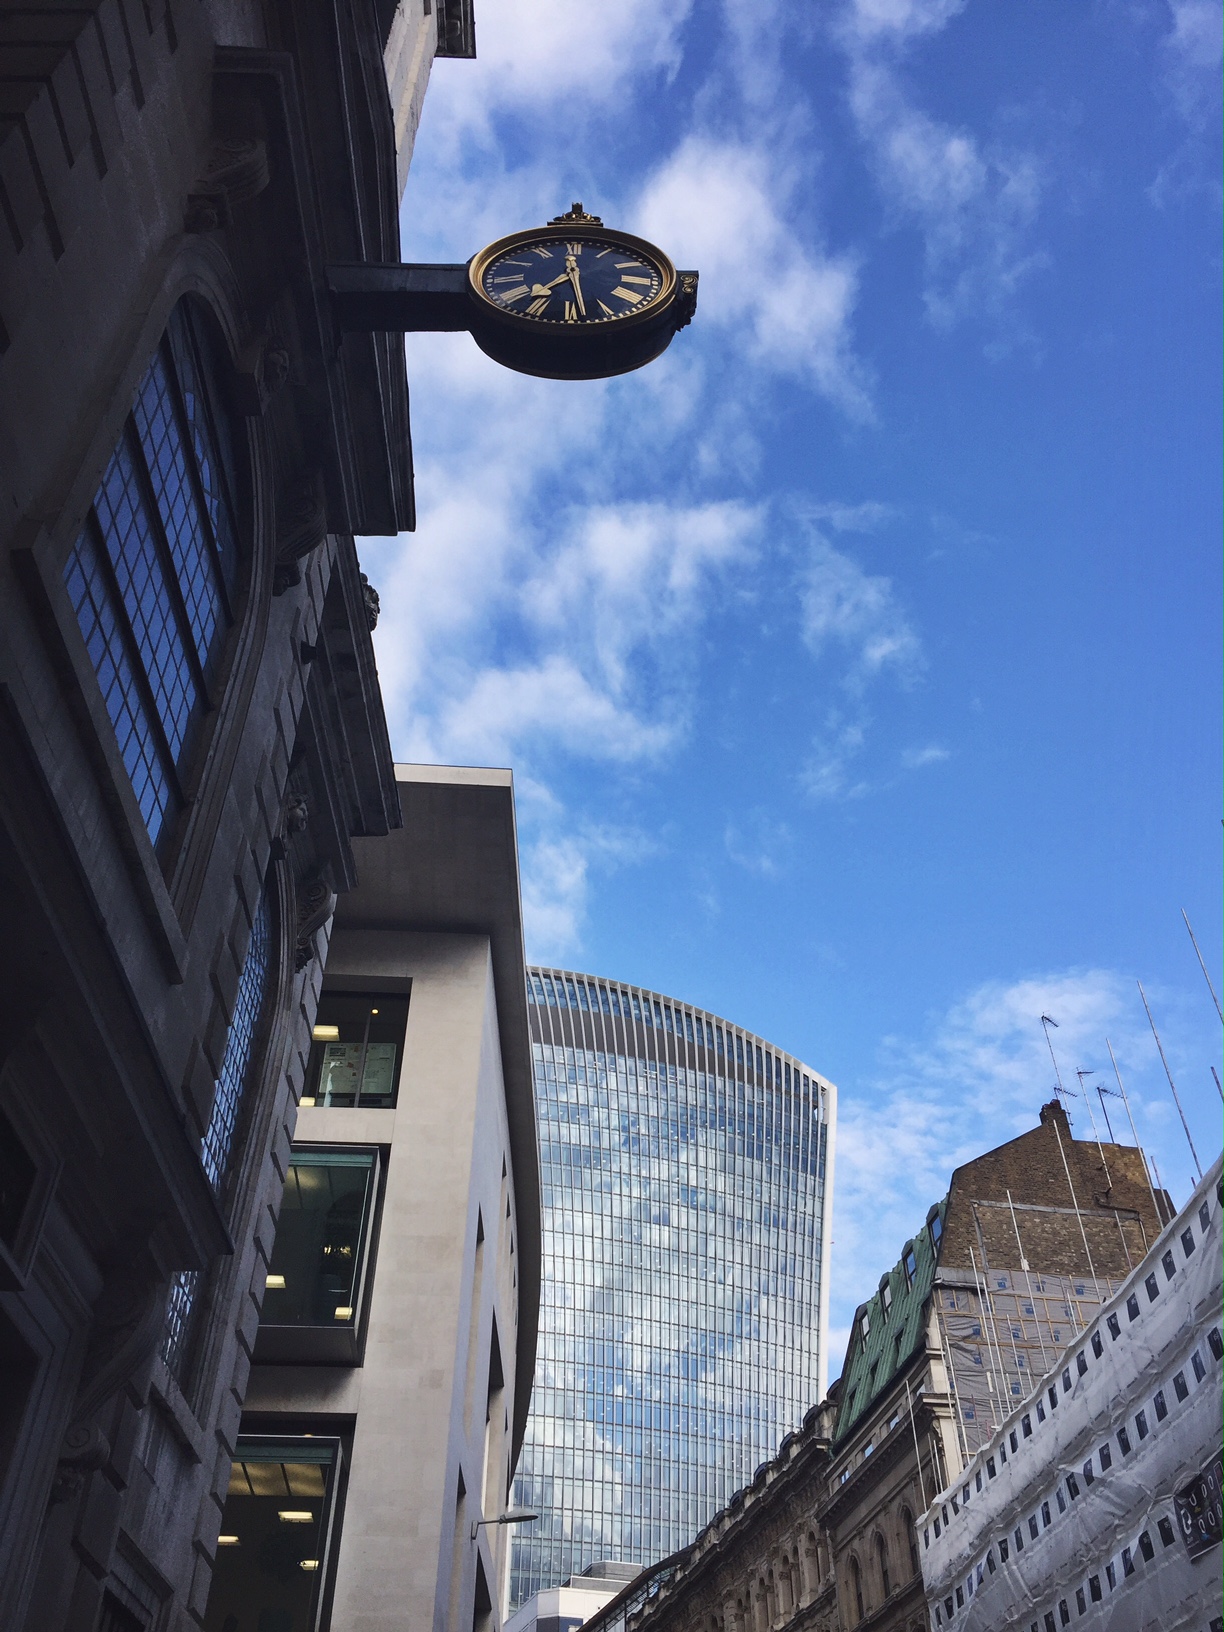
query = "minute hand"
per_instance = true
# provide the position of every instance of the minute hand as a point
(571, 267)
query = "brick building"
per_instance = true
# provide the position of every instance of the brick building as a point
(190, 724)
(1030, 1239)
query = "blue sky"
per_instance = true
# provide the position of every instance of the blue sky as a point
(859, 660)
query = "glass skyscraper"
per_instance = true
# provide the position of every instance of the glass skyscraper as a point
(686, 1174)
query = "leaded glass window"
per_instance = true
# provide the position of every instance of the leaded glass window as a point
(218, 1144)
(153, 576)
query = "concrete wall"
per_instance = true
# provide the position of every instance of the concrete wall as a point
(419, 1396)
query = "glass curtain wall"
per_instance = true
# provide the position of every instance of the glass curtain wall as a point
(682, 1322)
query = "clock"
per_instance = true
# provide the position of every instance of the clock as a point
(576, 300)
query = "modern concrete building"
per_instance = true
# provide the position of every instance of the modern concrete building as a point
(567, 1607)
(686, 1170)
(829, 1535)
(190, 729)
(388, 1398)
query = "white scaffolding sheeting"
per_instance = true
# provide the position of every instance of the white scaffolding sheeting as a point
(1098, 1502)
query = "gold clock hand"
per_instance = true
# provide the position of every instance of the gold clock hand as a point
(547, 288)
(571, 267)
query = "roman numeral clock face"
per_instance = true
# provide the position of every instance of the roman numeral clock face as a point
(573, 280)
(576, 300)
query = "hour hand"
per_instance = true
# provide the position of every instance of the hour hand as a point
(547, 288)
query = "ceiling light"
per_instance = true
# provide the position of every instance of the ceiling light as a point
(292, 1515)
(373, 1011)
(306, 1100)
(227, 1541)
(344, 1312)
(274, 1283)
(309, 1564)
(325, 1034)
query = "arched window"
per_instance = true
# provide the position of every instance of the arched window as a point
(856, 1584)
(153, 577)
(238, 1068)
(881, 1548)
(911, 1537)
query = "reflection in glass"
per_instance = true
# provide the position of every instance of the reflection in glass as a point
(272, 1551)
(683, 1257)
(315, 1275)
(356, 1051)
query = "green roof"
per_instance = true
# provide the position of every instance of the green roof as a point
(896, 1326)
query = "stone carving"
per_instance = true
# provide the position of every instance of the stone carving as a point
(316, 901)
(236, 171)
(301, 528)
(297, 813)
(372, 605)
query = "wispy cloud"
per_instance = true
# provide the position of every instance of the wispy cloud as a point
(759, 843)
(977, 1079)
(914, 759)
(1189, 62)
(725, 206)
(973, 201)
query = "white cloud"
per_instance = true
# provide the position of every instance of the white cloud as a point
(826, 775)
(844, 606)
(1189, 61)
(974, 204)
(871, 21)
(914, 759)
(531, 53)
(759, 843)
(724, 207)
(978, 1079)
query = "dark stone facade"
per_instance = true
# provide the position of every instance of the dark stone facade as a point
(162, 157)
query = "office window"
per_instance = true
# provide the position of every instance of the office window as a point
(1045, 1516)
(1132, 1307)
(1124, 1443)
(1115, 1330)
(1153, 1288)
(1165, 1526)
(358, 1041)
(313, 1300)
(1159, 1405)
(1106, 1458)
(153, 576)
(1098, 1348)
(1064, 1613)
(1141, 1424)
(1032, 1524)
(277, 1536)
(1180, 1387)
(1187, 1241)
(1215, 1343)
(1200, 1370)
(1081, 1362)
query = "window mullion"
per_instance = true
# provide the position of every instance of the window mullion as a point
(132, 646)
(170, 571)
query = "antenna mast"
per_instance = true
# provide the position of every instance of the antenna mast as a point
(1198, 1165)
(1202, 966)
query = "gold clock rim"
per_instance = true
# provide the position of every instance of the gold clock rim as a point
(568, 233)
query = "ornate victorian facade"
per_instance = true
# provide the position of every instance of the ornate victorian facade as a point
(1029, 1240)
(190, 726)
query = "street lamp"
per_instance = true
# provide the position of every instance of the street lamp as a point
(512, 1515)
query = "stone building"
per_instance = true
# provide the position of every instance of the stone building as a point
(190, 725)
(394, 1357)
(1029, 1240)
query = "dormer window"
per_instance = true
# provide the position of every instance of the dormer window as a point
(865, 1325)
(911, 1266)
(886, 1298)
(936, 1228)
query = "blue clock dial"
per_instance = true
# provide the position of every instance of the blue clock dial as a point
(581, 280)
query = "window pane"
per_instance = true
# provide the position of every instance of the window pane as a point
(102, 626)
(271, 1556)
(166, 456)
(129, 535)
(358, 1042)
(239, 1047)
(314, 1278)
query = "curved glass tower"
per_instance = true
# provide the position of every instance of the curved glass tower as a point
(686, 1170)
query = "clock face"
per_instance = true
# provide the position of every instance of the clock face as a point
(573, 280)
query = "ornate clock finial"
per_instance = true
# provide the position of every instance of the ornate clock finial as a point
(575, 215)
